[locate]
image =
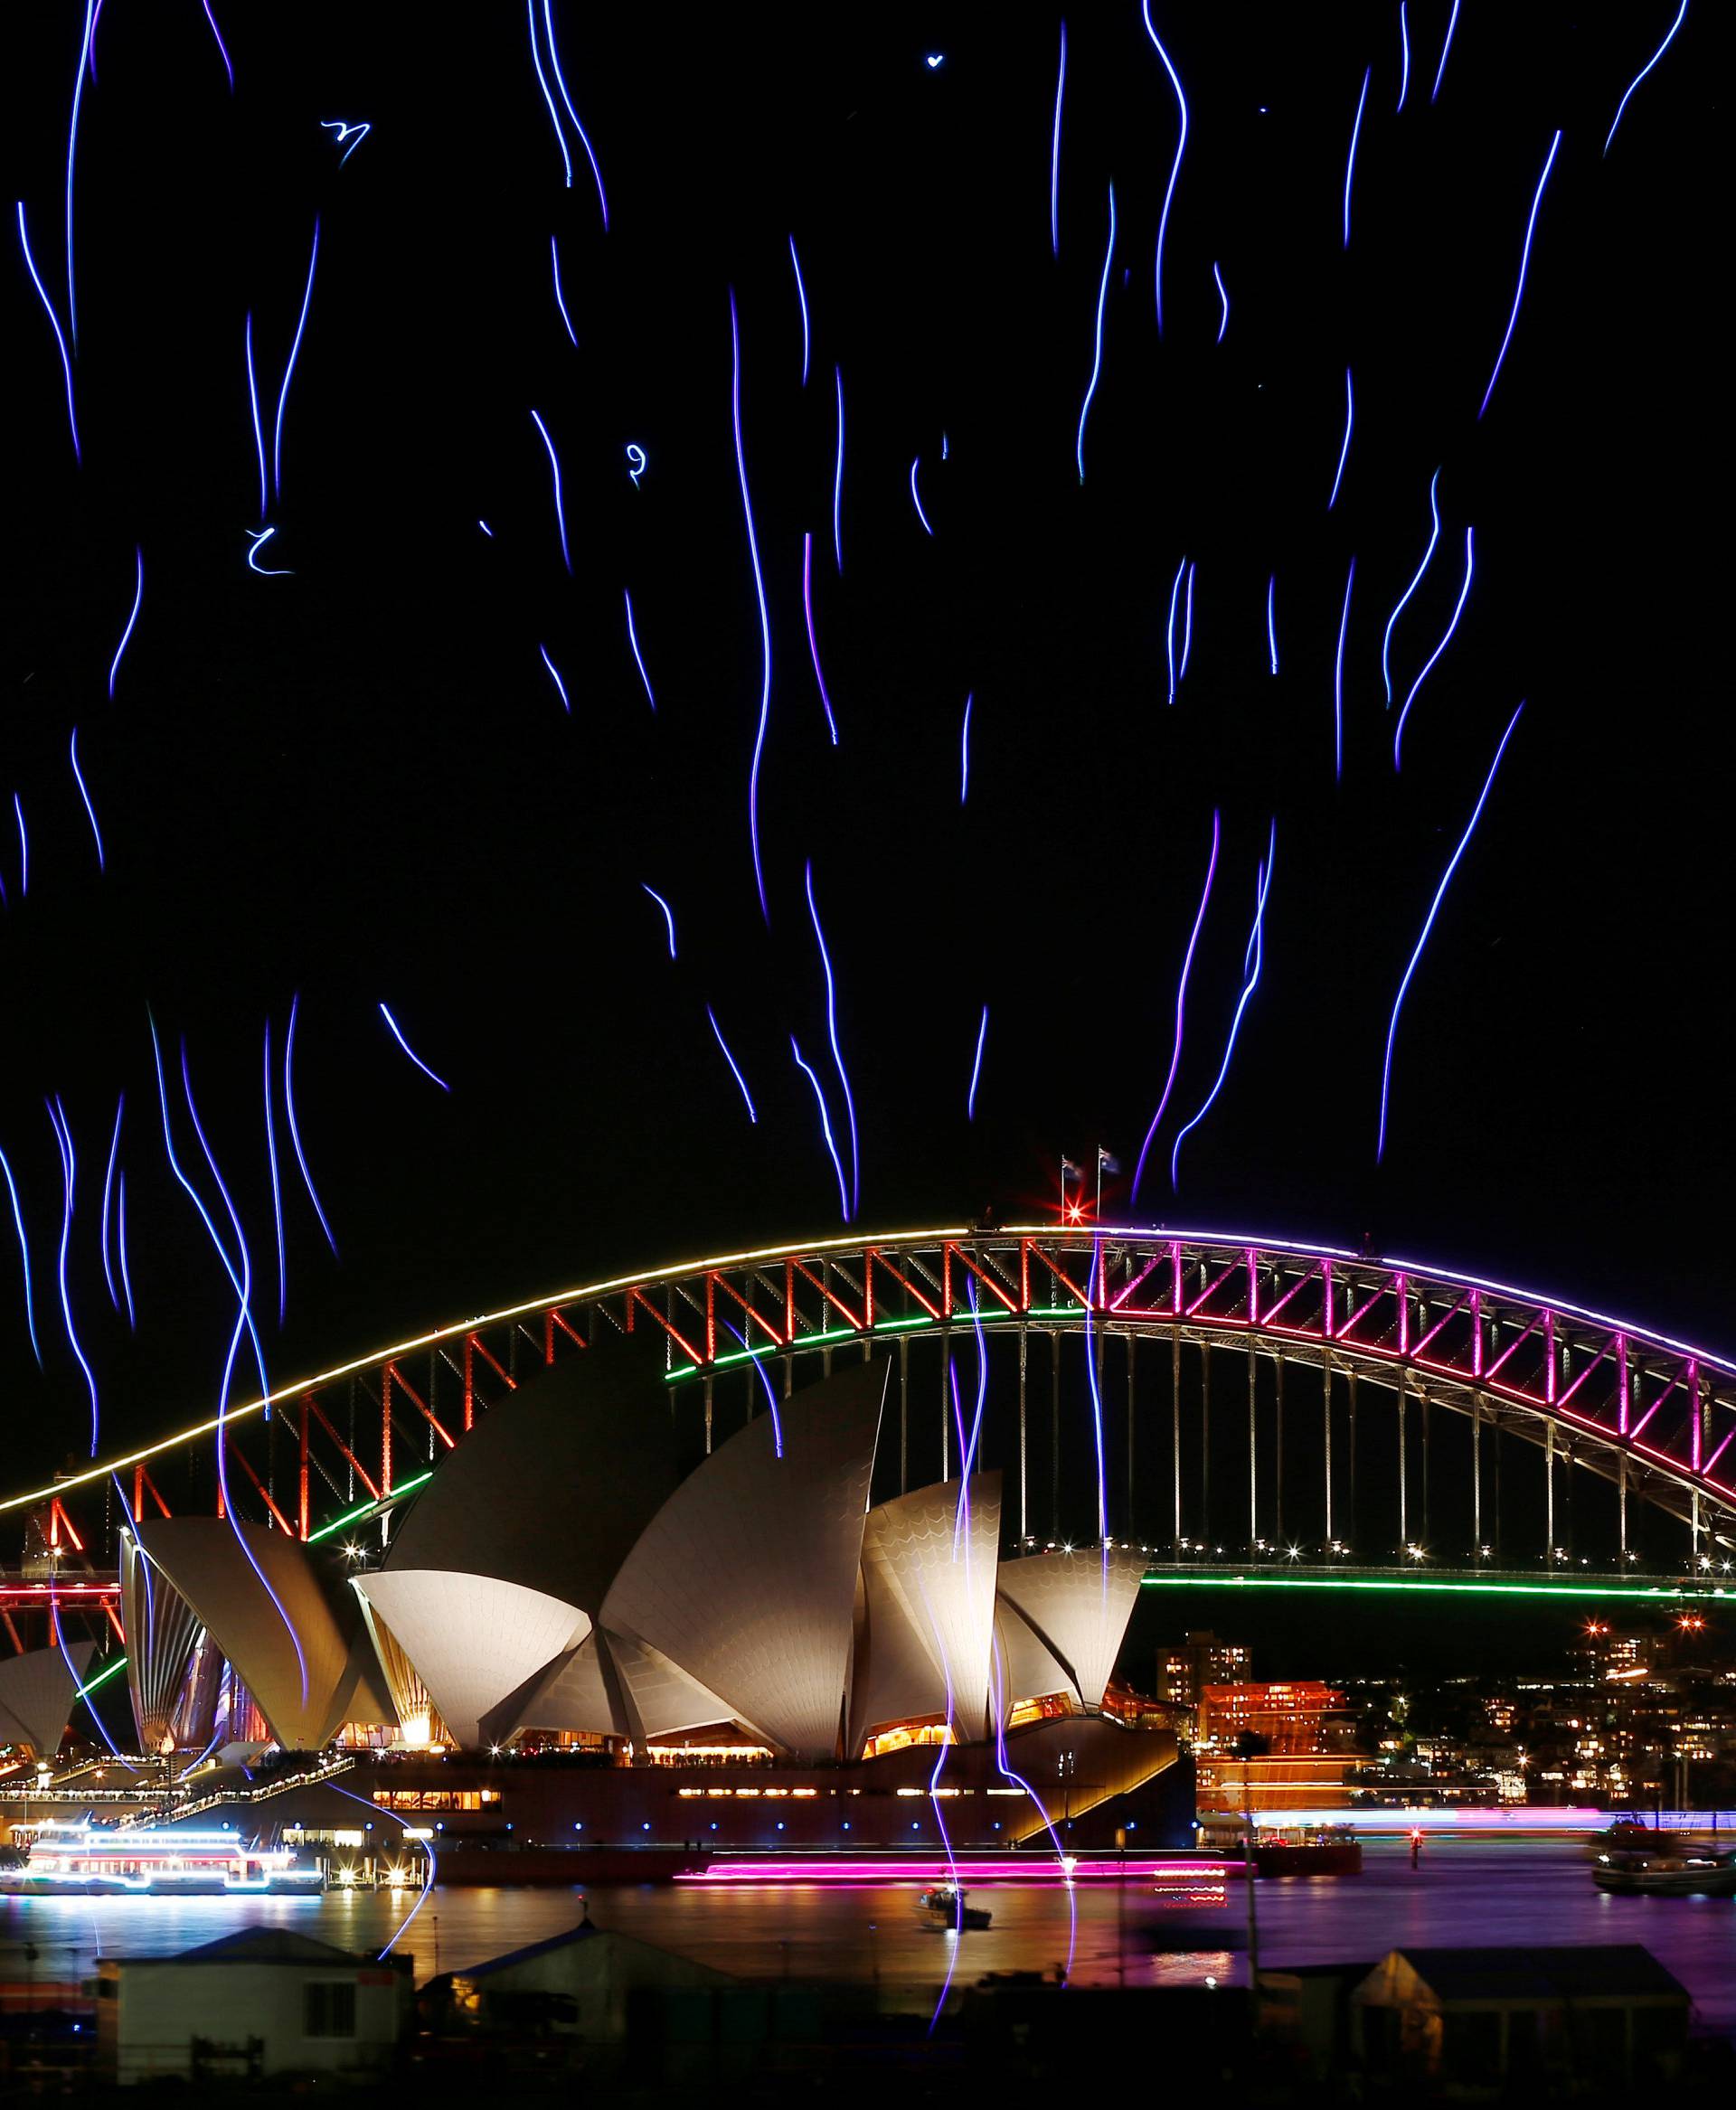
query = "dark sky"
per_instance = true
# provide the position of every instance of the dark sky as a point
(356, 783)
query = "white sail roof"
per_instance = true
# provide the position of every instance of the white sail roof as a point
(928, 1583)
(746, 1577)
(472, 1638)
(36, 1692)
(161, 1628)
(1077, 1605)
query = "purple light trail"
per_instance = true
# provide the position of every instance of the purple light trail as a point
(812, 641)
(1524, 262)
(1446, 639)
(759, 595)
(1180, 1014)
(1253, 954)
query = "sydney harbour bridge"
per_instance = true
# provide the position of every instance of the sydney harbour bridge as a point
(1239, 1410)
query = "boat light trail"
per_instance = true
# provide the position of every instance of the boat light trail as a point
(1254, 953)
(290, 369)
(977, 1066)
(555, 677)
(1524, 261)
(801, 297)
(397, 1034)
(759, 595)
(138, 596)
(1350, 164)
(1174, 168)
(1429, 924)
(638, 657)
(1180, 1014)
(668, 914)
(584, 137)
(837, 1053)
(1434, 536)
(1668, 40)
(826, 1126)
(560, 508)
(54, 325)
(1054, 152)
(91, 811)
(812, 641)
(1343, 452)
(1446, 46)
(294, 1131)
(559, 298)
(24, 1255)
(1338, 679)
(1097, 349)
(735, 1068)
(1446, 639)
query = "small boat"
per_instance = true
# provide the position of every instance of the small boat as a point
(1680, 1871)
(947, 1902)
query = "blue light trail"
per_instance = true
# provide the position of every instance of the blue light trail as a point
(138, 596)
(1434, 536)
(826, 1126)
(289, 367)
(24, 1255)
(1343, 452)
(916, 496)
(1446, 639)
(735, 1068)
(1446, 46)
(837, 1053)
(1054, 152)
(963, 751)
(54, 325)
(584, 137)
(1097, 350)
(1181, 1012)
(71, 151)
(977, 1066)
(1668, 40)
(1169, 634)
(542, 81)
(1429, 924)
(1404, 56)
(638, 657)
(108, 1199)
(78, 778)
(257, 540)
(1524, 261)
(668, 914)
(1350, 164)
(1174, 168)
(1251, 961)
(560, 508)
(344, 131)
(559, 298)
(1338, 679)
(837, 475)
(759, 594)
(276, 1189)
(397, 1034)
(69, 1173)
(813, 640)
(223, 49)
(554, 676)
(1272, 619)
(801, 296)
(1224, 319)
(294, 1131)
(253, 403)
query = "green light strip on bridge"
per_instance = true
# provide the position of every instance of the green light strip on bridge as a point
(371, 1509)
(765, 1348)
(103, 1677)
(1658, 1594)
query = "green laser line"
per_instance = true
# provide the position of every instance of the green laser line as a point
(1672, 1593)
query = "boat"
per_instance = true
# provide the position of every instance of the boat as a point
(95, 1861)
(1312, 1849)
(1677, 1871)
(947, 1902)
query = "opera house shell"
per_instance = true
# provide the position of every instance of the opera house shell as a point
(561, 1579)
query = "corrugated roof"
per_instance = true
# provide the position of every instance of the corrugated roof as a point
(260, 1944)
(1577, 1971)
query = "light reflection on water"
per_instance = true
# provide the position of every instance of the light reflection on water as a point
(1500, 1892)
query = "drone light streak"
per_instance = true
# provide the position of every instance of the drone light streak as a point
(837, 1053)
(1429, 924)
(1169, 634)
(1668, 40)
(243, 1287)
(837, 475)
(54, 325)
(916, 498)
(1446, 639)
(120, 1244)
(735, 1068)
(1524, 261)
(826, 1126)
(1272, 619)
(637, 460)
(560, 507)
(977, 1066)
(107, 1196)
(765, 1385)
(813, 642)
(963, 751)
(276, 1189)
(72, 152)
(1224, 319)
(344, 131)
(24, 848)
(1251, 961)
(257, 538)
(1174, 168)
(1338, 679)
(555, 677)
(1404, 56)
(294, 1131)
(559, 298)
(1055, 151)
(1343, 452)
(224, 52)
(1350, 164)
(397, 1034)
(759, 595)
(1434, 536)
(638, 657)
(91, 811)
(1006, 1772)
(69, 1171)
(1181, 1012)
(543, 82)
(1097, 348)
(668, 914)
(801, 297)
(1446, 46)
(24, 1255)
(289, 367)
(1187, 625)
(253, 404)
(584, 137)
(138, 596)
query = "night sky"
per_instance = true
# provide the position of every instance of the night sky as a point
(355, 783)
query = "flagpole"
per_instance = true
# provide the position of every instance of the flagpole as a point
(1098, 1214)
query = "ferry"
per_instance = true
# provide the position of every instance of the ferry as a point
(92, 1861)
(1678, 1870)
(946, 1904)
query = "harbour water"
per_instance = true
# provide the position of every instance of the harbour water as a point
(1464, 1892)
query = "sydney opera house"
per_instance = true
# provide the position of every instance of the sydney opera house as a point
(572, 1629)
